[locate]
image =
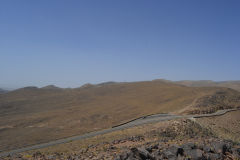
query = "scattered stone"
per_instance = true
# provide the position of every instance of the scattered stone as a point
(169, 155)
(208, 151)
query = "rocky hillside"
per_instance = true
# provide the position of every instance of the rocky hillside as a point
(211, 103)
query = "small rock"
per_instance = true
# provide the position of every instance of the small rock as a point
(152, 147)
(167, 154)
(195, 154)
(176, 150)
(207, 149)
(189, 146)
(144, 154)
(226, 148)
(213, 156)
(236, 151)
(217, 147)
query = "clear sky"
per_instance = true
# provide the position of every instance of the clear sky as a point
(72, 42)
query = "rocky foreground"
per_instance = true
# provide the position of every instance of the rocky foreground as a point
(207, 150)
(210, 149)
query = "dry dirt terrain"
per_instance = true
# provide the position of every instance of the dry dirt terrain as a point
(35, 115)
(226, 126)
(182, 139)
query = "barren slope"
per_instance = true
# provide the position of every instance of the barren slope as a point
(228, 84)
(208, 134)
(226, 126)
(32, 115)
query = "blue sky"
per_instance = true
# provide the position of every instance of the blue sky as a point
(72, 42)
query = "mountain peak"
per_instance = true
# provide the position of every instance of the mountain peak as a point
(50, 87)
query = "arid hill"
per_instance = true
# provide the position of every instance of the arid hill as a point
(34, 115)
(207, 83)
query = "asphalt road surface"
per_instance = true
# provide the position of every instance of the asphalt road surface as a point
(136, 122)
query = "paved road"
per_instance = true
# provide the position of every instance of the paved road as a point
(136, 122)
(218, 113)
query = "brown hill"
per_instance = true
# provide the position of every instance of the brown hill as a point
(35, 115)
(207, 83)
(51, 87)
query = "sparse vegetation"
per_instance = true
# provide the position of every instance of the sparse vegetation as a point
(207, 83)
(34, 115)
(156, 138)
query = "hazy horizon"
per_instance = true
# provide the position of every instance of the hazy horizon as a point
(6, 88)
(71, 43)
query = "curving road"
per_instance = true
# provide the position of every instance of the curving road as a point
(135, 122)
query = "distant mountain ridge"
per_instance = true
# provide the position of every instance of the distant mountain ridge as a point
(3, 91)
(233, 84)
(51, 87)
(208, 83)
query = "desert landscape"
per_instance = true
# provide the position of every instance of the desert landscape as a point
(119, 80)
(32, 115)
(174, 139)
